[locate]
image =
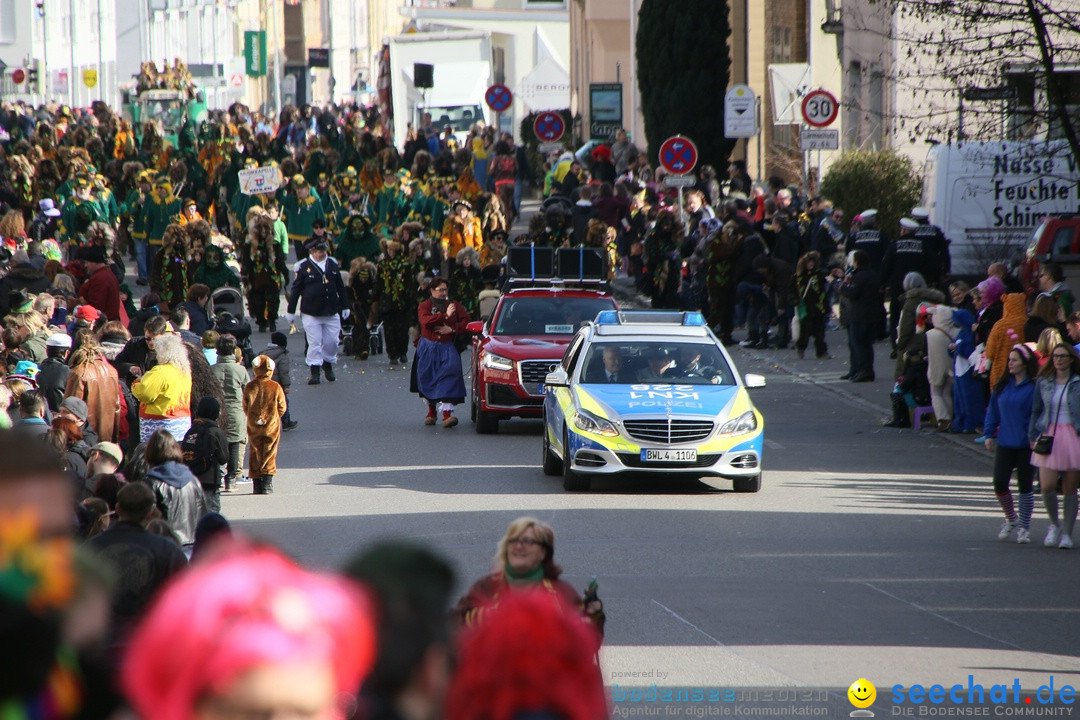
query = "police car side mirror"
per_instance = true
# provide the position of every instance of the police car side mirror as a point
(753, 380)
(476, 327)
(556, 378)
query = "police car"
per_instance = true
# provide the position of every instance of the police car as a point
(650, 392)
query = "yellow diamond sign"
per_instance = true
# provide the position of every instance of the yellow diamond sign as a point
(89, 77)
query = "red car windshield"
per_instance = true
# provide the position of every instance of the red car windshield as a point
(551, 315)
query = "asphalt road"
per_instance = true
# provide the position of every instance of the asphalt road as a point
(868, 553)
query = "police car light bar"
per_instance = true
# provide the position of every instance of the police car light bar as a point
(650, 317)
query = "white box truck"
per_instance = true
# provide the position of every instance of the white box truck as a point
(461, 61)
(989, 197)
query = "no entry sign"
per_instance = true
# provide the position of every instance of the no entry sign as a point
(549, 127)
(678, 155)
(498, 97)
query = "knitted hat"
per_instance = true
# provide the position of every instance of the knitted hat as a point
(280, 339)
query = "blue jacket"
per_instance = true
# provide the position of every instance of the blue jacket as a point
(1042, 406)
(321, 294)
(1008, 414)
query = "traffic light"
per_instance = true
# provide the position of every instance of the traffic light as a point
(33, 77)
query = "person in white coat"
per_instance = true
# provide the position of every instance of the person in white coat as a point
(939, 341)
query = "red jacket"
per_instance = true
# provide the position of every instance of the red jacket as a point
(429, 320)
(102, 290)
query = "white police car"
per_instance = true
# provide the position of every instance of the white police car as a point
(650, 392)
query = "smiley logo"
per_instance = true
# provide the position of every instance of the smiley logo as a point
(862, 693)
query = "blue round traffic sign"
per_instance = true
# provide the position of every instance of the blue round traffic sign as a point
(498, 97)
(678, 155)
(549, 126)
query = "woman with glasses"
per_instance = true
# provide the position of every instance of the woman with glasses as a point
(1007, 419)
(1055, 413)
(526, 561)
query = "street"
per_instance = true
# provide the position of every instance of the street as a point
(868, 553)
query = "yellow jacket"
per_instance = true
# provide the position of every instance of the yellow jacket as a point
(163, 392)
(457, 235)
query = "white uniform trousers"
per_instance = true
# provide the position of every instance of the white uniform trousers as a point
(322, 338)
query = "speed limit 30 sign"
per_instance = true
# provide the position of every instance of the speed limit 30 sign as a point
(820, 108)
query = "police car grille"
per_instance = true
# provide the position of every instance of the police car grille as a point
(534, 372)
(668, 431)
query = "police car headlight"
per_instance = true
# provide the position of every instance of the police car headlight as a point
(587, 422)
(497, 362)
(745, 423)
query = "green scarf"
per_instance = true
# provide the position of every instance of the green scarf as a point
(530, 578)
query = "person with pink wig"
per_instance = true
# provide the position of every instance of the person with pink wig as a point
(250, 634)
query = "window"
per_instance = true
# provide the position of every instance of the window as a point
(877, 109)
(1062, 244)
(681, 363)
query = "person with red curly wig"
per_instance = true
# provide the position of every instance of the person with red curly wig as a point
(525, 561)
(529, 658)
(250, 634)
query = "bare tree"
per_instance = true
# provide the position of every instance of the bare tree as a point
(983, 69)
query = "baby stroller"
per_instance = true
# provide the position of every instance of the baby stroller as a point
(227, 309)
(226, 299)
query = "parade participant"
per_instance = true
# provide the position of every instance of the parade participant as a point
(461, 230)
(101, 288)
(393, 300)
(302, 207)
(164, 392)
(213, 272)
(810, 308)
(323, 305)
(264, 406)
(525, 560)
(1005, 428)
(437, 366)
(264, 271)
(273, 641)
(158, 214)
(1055, 413)
(356, 240)
(134, 208)
(169, 270)
(189, 213)
(465, 280)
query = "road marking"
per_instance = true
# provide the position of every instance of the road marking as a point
(681, 619)
(773, 444)
(941, 617)
(412, 468)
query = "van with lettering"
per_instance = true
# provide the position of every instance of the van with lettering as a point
(989, 197)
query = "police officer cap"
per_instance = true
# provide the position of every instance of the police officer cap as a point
(920, 213)
(316, 244)
(868, 214)
(908, 223)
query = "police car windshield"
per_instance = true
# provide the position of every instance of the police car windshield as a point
(637, 362)
(547, 315)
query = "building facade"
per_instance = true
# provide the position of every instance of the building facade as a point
(70, 45)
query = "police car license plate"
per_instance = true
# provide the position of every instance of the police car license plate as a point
(649, 455)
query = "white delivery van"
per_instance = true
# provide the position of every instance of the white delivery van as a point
(988, 197)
